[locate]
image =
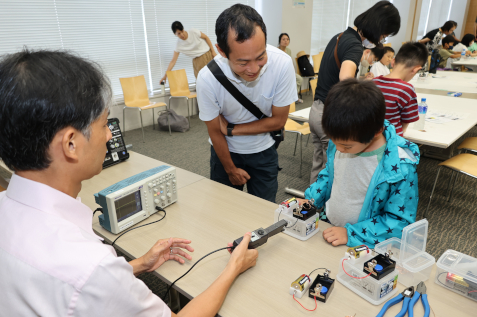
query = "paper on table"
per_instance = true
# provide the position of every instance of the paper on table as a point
(443, 117)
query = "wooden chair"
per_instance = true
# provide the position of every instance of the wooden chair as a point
(469, 144)
(136, 98)
(388, 45)
(317, 62)
(313, 83)
(179, 87)
(2, 189)
(300, 130)
(462, 163)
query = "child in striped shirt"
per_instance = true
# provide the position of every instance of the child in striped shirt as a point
(401, 99)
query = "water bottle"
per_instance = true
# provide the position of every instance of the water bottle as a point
(422, 108)
(462, 55)
(163, 87)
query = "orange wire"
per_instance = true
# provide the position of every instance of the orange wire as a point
(316, 304)
(342, 265)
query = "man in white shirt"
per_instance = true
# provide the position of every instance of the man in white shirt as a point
(53, 123)
(243, 150)
(194, 44)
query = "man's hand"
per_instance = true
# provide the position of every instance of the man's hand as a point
(161, 252)
(242, 258)
(163, 79)
(223, 124)
(336, 235)
(238, 176)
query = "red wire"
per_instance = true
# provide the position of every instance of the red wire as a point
(316, 304)
(342, 265)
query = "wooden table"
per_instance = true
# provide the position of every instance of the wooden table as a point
(448, 81)
(436, 135)
(211, 214)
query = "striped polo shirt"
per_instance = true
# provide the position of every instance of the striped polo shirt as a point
(401, 101)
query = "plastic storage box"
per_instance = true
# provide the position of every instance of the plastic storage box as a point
(412, 262)
(458, 272)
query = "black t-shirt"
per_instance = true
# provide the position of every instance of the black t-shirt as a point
(349, 48)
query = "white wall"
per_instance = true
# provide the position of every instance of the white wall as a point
(271, 12)
(297, 23)
(457, 14)
(403, 7)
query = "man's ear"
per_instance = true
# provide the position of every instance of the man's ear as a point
(70, 144)
(220, 51)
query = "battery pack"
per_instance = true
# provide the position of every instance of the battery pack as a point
(300, 227)
(379, 266)
(321, 287)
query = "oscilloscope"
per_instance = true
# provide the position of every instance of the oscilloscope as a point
(135, 198)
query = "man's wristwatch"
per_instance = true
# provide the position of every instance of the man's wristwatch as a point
(230, 127)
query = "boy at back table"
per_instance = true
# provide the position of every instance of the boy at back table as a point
(401, 99)
(369, 185)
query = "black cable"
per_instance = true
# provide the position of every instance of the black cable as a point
(170, 286)
(321, 268)
(147, 224)
(98, 209)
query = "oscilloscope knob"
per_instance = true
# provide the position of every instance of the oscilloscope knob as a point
(169, 195)
(156, 201)
(149, 185)
(168, 184)
(161, 187)
(163, 197)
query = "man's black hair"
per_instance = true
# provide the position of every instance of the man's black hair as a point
(412, 54)
(381, 19)
(354, 111)
(467, 39)
(41, 93)
(242, 20)
(448, 26)
(447, 40)
(177, 26)
(280, 37)
(378, 52)
(387, 49)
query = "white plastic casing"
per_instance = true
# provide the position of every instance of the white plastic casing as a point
(297, 293)
(297, 228)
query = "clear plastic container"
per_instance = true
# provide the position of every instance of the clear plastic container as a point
(457, 272)
(412, 262)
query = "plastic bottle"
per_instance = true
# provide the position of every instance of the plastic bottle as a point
(462, 55)
(163, 87)
(422, 108)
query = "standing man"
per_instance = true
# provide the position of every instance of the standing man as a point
(243, 152)
(192, 43)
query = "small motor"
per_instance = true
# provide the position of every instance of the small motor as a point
(356, 252)
(300, 286)
(321, 287)
(379, 266)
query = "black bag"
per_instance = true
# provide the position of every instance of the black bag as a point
(177, 122)
(279, 135)
(305, 67)
(435, 60)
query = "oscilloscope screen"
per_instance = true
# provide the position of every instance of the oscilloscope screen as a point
(128, 205)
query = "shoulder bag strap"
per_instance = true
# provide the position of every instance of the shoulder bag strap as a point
(246, 103)
(338, 63)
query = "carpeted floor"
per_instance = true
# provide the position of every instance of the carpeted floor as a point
(451, 225)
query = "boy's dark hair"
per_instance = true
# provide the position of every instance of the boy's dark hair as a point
(447, 40)
(177, 26)
(41, 93)
(467, 39)
(412, 54)
(354, 110)
(243, 20)
(381, 19)
(448, 25)
(378, 52)
(280, 37)
(388, 49)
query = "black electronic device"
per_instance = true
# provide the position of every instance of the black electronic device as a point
(306, 211)
(379, 266)
(321, 287)
(116, 148)
(260, 236)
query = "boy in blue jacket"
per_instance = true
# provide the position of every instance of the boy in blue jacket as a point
(369, 186)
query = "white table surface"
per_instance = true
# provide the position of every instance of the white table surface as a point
(448, 81)
(466, 62)
(437, 135)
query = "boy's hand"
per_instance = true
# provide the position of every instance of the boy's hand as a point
(336, 235)
(301, 201)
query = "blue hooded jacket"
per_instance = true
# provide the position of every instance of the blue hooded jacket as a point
(391, 200)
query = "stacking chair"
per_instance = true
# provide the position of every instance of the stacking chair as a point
(300, 130)
(179, 87)
(317, 62)
(462, 163)
(136, 98)
(313, 83)
(388, 45)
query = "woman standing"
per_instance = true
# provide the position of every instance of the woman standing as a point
(340, 61)
(433, 38)
(284, 41)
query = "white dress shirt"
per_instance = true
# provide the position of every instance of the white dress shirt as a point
(275, 86)
(52, 263)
